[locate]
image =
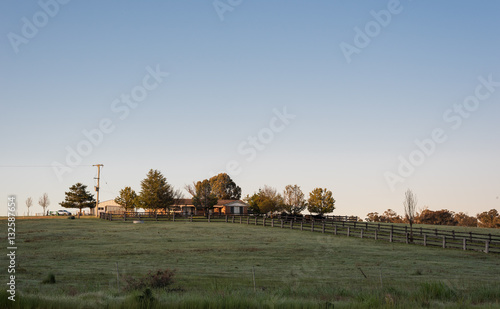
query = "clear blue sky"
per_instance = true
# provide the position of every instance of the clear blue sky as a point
(417, 68)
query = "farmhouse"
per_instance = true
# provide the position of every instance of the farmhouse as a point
(185, 207)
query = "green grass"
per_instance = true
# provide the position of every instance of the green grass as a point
(214, 264)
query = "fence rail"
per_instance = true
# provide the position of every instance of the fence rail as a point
(340, 225)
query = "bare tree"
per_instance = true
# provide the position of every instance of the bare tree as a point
(410, 204)
(294, 200)
(29, 203)
(44, 202)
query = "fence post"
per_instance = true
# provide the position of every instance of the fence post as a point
(425, 240)
(375, 234)
(465, 244)
(348, 232)
(272, 222)
(323, 228)
(248, 220)
(390, 236)
(281, 223)
(335, 229)
(291, 224)
(208, 218)
(256, 220)
(312, 226)
(444, 242)
(361, 233)
(354, 224)
(240, 219)
(173, 217)
(226, 219)
(124, 217)
(301, 225)
(407, 238)
(232, 220)
(191, 218)
(487, 246)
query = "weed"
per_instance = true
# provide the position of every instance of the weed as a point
(153, 279)
(50, 279)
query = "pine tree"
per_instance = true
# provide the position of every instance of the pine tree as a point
(78, 197)
(156, 193)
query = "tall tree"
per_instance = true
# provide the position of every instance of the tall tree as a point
(293, 200)
(44, 202)
(410, 205)
(29, 203)
(78, 197)
(127, 198)
(321, 201)
(156, 193)
(203, 197)
(224, 188)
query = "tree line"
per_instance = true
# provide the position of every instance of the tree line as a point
(292, 201)
(157, 194)
(490, 219)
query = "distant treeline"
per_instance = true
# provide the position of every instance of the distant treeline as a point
(490, 219)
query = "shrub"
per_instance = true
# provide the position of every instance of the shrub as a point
(153, 279)
(50, 279)
(71, 217)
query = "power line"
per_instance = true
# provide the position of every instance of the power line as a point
(1, 166)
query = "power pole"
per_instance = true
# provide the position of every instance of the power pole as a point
(97, 187)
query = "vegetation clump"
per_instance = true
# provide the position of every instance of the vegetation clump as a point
(50, 279)
(153, 279)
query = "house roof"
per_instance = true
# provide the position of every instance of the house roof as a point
(189, 202)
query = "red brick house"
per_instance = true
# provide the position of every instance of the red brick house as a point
(228, 207)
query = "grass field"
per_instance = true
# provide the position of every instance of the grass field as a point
(215, 265)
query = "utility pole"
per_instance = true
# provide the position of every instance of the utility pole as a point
(97, 187)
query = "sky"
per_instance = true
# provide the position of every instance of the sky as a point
(364, 98)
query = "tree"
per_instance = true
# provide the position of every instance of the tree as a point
(463, 219)
(267, 200)
(156, 193)
(390, 216)
(293, 200)
(127, 198)
(44, 202)
(203, 197)
(320, 201)
(253, 203)
(410, 205)
(78, 197)
(372, 217)
(489, 218)
(224, 188)
(440, 217)
(29, 203)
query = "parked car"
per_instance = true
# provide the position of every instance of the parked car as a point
(63, 212)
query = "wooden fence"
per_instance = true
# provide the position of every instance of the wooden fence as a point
(341, 225)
